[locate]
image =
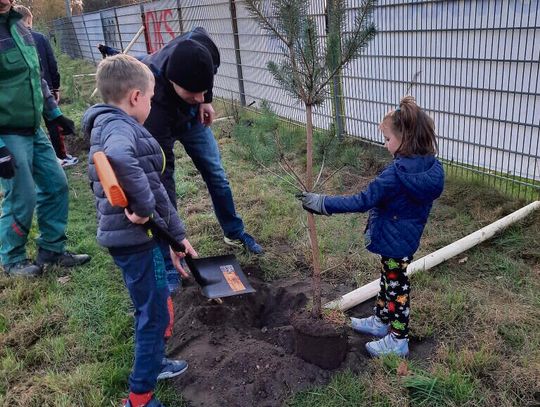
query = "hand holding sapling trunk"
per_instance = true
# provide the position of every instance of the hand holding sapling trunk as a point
(313, 203)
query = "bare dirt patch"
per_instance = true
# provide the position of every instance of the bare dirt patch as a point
(241, 352)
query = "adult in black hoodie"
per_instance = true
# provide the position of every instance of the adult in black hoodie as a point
(182, 111)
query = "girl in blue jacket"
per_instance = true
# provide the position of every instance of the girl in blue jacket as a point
(399, 201)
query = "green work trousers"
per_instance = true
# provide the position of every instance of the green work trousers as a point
(39, 183)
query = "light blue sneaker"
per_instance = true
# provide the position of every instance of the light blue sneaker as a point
(370, 326)
(388, 344)
(171, 368)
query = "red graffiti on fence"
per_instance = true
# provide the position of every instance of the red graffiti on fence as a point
(156, 24)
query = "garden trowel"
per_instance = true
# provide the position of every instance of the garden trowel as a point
(218, 276)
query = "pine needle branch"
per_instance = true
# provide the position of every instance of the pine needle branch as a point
(253, 6)
(358, 41)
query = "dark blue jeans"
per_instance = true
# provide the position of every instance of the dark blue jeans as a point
(144, 276)
(173, 277)
(201, 146)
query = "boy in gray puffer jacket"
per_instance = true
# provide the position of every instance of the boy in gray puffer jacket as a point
(127, 87)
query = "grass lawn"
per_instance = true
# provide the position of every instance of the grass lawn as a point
(66, 338)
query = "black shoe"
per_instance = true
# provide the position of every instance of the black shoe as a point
(23, 268)
(66, 259)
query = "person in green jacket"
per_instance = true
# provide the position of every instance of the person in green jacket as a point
(30, 176)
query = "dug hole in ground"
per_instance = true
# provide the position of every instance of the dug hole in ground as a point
(242, 352)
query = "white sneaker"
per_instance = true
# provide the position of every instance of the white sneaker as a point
(370, 326)
(388, 344)
(69, 161)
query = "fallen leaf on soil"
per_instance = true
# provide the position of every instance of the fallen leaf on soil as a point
(403, 369)
(463, 260)
(64, 279)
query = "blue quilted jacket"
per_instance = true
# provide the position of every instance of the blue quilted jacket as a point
(399, 201)
(137, 160)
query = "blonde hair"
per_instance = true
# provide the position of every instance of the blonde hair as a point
(118, 75)
(414, 127)
(23, 10)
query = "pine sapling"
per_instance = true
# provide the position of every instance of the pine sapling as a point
(307, 67)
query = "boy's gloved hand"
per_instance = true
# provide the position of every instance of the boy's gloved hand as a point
(313, 203)
(66, 124)
(7, 169)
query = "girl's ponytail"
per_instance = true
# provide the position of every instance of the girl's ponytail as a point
(416, 128)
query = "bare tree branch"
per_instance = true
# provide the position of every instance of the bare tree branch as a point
(291, 172)
(279, 176)
(331, 175)
(334, 267)
(413, 82)
(281, 155)
(320, 171)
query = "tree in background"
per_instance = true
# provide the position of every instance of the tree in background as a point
(93, 5)
(45, 11)
(307, 68)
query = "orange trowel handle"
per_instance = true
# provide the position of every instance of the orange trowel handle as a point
(107, 177)
(116, 197)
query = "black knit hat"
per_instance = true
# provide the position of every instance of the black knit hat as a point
(191, 67)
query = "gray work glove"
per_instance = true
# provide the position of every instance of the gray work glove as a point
(313, 203)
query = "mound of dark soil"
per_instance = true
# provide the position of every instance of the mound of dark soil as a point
(241, 352)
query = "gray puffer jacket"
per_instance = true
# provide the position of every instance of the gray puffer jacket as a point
(137, 160)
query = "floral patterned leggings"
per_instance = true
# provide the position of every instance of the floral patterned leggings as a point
(393, 303)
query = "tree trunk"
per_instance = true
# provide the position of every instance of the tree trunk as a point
(312, 227)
